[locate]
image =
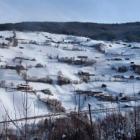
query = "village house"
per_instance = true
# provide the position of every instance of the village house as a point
(79, 60)
(25, 87)
(137, 68)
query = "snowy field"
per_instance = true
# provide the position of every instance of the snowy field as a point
(99, 73)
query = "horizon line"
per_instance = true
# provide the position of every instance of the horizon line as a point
(69, 22)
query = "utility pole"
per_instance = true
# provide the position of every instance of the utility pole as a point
(135, 111)
(92, 135)
(79, 105)
(26, 105)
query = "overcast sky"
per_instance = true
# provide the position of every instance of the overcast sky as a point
(101, 11)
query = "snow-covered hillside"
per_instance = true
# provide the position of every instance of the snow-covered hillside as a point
(73, 70)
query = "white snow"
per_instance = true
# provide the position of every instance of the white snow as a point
(62, 45)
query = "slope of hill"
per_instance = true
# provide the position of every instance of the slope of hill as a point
(60, 68)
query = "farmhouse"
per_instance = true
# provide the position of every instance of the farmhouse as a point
(79, 60)
(3, 45)
(24, 87)
(41, 80)
(17, 67)
(137, 68)
(82, 57)
(100, 47)
(61, 80)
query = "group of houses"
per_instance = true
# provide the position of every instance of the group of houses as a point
(79, 60)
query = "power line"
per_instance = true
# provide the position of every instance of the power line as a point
(103, 110)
